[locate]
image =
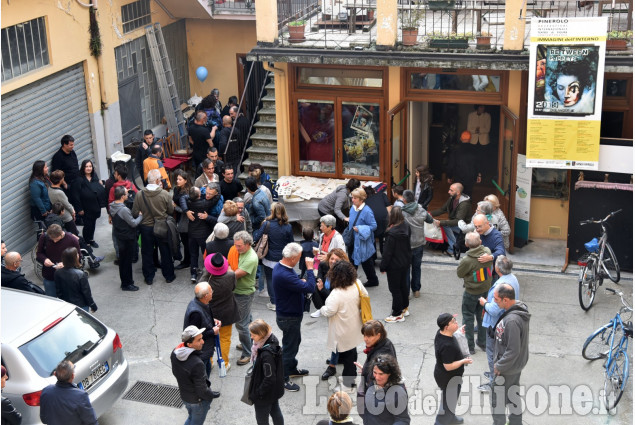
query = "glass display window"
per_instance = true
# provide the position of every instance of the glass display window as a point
(316, 128)
(360, 137)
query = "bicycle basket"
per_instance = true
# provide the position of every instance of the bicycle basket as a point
(592, 245)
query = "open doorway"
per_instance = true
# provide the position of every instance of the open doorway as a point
(435, 134)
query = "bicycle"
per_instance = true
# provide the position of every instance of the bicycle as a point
(601, 344)
(598, 263)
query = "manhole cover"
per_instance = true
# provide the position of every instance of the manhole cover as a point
(162, 395)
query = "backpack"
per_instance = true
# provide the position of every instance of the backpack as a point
(130, 201)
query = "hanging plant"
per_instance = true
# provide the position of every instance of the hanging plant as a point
(95, 37)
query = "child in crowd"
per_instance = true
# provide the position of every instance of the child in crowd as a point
(307, 249)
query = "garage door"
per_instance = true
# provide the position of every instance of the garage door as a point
(34, 119)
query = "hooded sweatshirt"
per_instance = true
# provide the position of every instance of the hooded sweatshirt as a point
(416, 217)
(123, 224)
(158, 201)
(477, 277)
(190, 374)
(462, 211)
(511, 348)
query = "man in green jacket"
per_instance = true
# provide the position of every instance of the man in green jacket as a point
(477, 279)
(458, 207)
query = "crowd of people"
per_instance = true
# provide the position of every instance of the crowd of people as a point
(210, 224)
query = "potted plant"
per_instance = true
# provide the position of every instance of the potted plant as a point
(410, 20)
(441, 5)
(484, 40)
(618, 40)
(296, 31)
(449, 41)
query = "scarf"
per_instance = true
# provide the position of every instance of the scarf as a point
(326, 241)
(256, 345)
(368, 348)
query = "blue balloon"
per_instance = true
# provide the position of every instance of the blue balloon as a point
(201, 73)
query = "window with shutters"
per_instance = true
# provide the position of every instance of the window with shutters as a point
(24, 48)
(135, 15)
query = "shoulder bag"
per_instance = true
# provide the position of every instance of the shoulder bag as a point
(364, 304)
(262, 247)
(349, 233)
(247, 387)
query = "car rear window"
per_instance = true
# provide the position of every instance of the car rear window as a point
(71, 339)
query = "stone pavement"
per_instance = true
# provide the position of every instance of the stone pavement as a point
(557, 378)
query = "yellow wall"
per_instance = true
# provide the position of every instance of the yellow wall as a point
(214, 45)
(281, 79)
(545, 213)
(67, 25)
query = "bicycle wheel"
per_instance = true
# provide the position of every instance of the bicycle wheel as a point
(588, 284)
(597, 345)
(37, 267)
(615, 379)
(609, 263)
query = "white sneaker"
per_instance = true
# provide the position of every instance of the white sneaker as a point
(271, 307)
(405, 312)
(263, 293)
(393, 319)
(316, 314)
(227, 366)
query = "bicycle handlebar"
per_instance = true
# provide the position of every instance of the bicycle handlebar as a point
(621, 294)
(592, 221)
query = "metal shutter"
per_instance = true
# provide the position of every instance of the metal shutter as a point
(34, 119)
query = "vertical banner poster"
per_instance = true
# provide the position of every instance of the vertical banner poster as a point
(566, 78)
(523, 199)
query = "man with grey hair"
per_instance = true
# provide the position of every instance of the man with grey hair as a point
(154, 203)
(493, 312)
(490, 238)
(199, 313)
(63, 403)
(245, 272)
(477, 279)
(290, 290)
(329, 238)
(416, 216)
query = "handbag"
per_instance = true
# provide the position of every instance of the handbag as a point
(364, 305)
(247, 387)
(262, 247)
(160, 227)
(349, 233)
(432, 233)
(183, 224)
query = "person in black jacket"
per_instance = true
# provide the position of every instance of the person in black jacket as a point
(378, 203)
(198, 229)
(189, 371)
(71, 283)
(124, 227)
(423, 186)
(377, 342)
(65, 159)
(10, 416)
(267, 381)
(396, 263)
(88, 196)
(12, 278)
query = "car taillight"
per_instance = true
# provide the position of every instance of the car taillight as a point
(116, 344)
(32, 399)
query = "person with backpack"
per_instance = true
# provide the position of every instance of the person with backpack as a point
(267, 382)
(124, 232)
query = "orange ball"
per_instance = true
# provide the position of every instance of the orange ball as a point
(466, 136)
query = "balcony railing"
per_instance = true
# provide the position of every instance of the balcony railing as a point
(351, 24)
(232, 7)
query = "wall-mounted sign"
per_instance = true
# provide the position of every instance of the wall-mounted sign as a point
(566, 78)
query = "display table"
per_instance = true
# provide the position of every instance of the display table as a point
(301, 196)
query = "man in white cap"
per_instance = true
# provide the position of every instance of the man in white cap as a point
(189, 370)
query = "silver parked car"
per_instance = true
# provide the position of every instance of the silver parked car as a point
(38, 332)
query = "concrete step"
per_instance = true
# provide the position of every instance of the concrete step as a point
(265, 127)
(269, 140)
(243, 176)
(269, 165)
(270, 86)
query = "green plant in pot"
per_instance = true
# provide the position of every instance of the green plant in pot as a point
(618, 40)
(410, 20)
(441, 4)
(484, 40)
(449, 41)
(296, 31)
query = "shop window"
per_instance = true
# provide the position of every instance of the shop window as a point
(316, 128)
(615, 88)
(461, 82)
(340, 77)
(549, 183)
(135, 15)
(360, 136)
(24, 48)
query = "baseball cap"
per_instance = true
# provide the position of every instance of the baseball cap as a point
(444, 319)
(190, 332)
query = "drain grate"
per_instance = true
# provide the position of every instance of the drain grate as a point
(159, 394)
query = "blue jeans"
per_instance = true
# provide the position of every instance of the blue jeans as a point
(269, 278)
(291, 338)
(489, 350)
(263, 411)
(49, 288)
(242, 325)
(414, 283)
(260, 277)
(148, 241)
(451, 232)
(196, 412)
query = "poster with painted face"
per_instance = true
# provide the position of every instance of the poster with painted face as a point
(566, 80)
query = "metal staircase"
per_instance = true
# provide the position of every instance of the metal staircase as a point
(264, 148)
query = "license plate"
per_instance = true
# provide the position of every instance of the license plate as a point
(94, 376)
